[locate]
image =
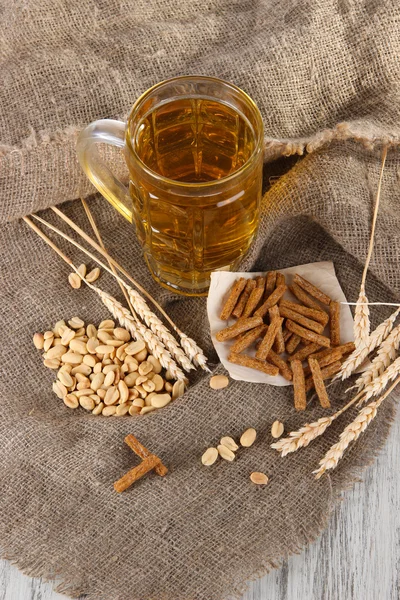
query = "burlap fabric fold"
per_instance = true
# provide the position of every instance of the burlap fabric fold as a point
(319, 71)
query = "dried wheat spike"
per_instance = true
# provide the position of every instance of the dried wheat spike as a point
(157, 326)
(356, 358)
(378, 384)
(385, 355)
(302, 437)
(350, 434)
(194, 352)
(139, 331)
(361, 320)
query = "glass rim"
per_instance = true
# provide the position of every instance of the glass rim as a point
(203, 185)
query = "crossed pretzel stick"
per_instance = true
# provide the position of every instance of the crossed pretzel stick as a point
(149, 462)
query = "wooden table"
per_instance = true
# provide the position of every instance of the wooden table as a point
(357, 558)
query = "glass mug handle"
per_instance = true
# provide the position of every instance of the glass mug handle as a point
(104, 131)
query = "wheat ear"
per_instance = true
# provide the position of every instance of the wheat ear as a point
(357, 357)
(302, 437)
(190, 344)
(385, 355)
(194, 352)
(361, 320)
(351, 433)
(378, 384)
(157, 326)
(119, 312)
(139, 331)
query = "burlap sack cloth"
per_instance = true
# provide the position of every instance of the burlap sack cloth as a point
(318, 71)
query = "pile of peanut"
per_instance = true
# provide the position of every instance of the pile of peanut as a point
(103, 370)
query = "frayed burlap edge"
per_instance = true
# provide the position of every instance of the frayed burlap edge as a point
(369, 136)
(58, 149)
(353, 474)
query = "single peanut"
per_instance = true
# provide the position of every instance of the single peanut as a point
(248, 437)
(277, 429)
(209, 457)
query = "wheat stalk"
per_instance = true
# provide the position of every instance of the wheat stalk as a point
(351, 433)
(192, 344)
(117, 266)
(100, 240)
(357, 357)
(361, 313)
(385, 355)
(138, 305)
(122, 314)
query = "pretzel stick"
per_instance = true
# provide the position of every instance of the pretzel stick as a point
(282, 365)
(252, 302)
(293, 343)
(269, 284)
(344, 349)
(316, 315)
(271, 301)
(319, 383)
(280, 279)
(301, 319)
(300, 401)
(306, 334)
(245, 340)
(347, 348)
(303, 297)
(287, 335)
(253, 363)
(136, 473)
(269, 338)
(244, 296)
(260, 282)
(312, 289)
(141, 451)
(304, 352)
(234, 294)
(239, 327)
(333, 356)
(334, 311)
(326, 373)
(279, 343)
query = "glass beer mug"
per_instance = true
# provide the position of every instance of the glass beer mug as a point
(193, 147)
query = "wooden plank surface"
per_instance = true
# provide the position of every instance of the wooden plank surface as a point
(357, 558)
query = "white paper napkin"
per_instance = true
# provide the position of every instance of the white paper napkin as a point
(321, 274)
